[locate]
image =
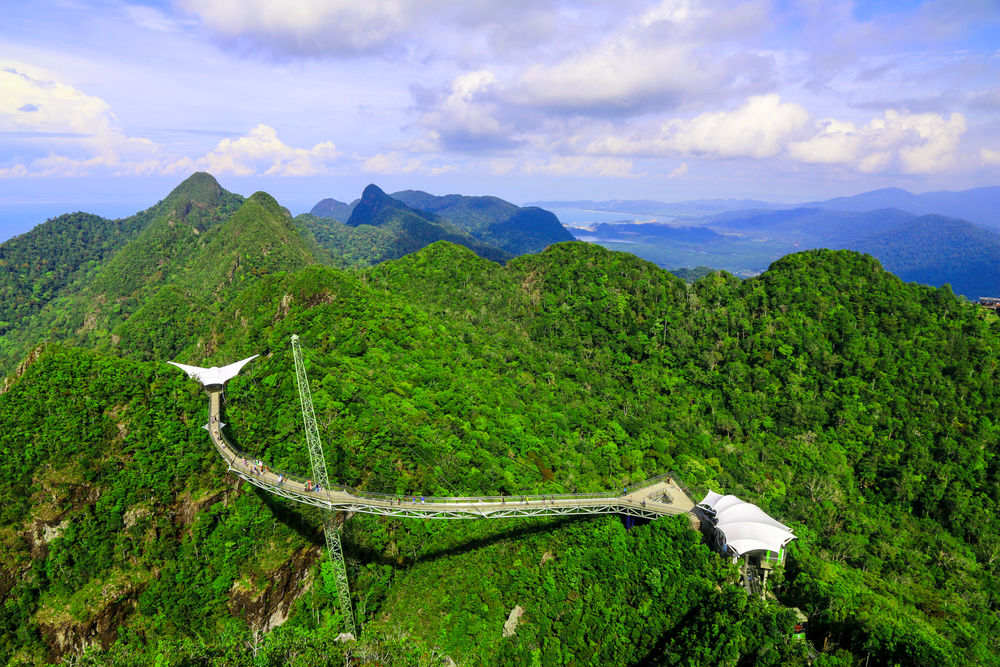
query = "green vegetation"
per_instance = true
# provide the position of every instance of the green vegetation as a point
(492, 220)
(856, 408)
(382, 228)
(35, 266)
(935, 250)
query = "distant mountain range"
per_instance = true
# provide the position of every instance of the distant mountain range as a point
(978, 205)
(489, 226)
(923, 238)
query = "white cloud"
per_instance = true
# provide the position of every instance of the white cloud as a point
(989, 156)
(311, 27)
(53, 117)
(679, 171)
(66, 132)
(674, 56)
(260, 151)
(30, 101)
(760, 128)
(764, 127)
(913, 143)
(466, 117)
(398, 163)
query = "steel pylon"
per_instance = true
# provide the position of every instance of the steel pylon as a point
(318, 463)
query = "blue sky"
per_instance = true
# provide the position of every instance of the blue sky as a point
(105, 105)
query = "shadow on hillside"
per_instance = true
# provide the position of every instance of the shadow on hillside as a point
(368, 555)
(310, 529)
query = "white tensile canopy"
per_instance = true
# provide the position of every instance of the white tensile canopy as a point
(744, 526)
(214, 375)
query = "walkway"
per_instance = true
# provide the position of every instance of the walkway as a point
(661, 496)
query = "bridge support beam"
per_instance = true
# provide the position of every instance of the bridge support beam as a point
(318, 461)
(333, 546)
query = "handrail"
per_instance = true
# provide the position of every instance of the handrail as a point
(520, 497)
(650, 505)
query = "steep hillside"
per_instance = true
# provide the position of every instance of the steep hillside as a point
(492, 220)
(198, 248)
(35, 267)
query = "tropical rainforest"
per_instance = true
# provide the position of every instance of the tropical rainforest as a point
(854, 407)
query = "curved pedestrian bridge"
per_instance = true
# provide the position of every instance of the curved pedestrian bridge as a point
(655, 498)
(660, 496)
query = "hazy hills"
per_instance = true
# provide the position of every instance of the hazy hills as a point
(978, 205)
(888, 223)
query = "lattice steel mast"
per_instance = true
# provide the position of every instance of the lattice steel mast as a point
(318, 462)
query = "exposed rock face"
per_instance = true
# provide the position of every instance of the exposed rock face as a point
(510, 627)
(267, 609)
(102, 630)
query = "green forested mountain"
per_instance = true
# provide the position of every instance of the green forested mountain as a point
(935, 250)
(198, 246)
(492, 220)
(381, 227)
(856, 408)
(331, 208)
(35, 266)
(390, 226)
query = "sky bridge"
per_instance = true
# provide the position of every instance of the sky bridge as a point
(657, 497)
(660, 496)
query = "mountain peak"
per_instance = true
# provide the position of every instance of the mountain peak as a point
(373, 201)
(199, 188)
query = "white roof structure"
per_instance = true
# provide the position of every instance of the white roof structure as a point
(744, 526)
(213, 375)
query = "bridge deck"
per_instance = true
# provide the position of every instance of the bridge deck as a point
(655, 498)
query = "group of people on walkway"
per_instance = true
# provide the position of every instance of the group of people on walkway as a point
(256, 466)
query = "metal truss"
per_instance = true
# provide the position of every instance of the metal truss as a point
(318, 461)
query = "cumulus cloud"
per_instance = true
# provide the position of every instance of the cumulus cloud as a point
(261, 151)
(914, 143)
(35, 108)
(676, 56)
(65, 132)
(398, 163)
(764, 127)
(760, 128)
(989, 156)
(671, 57)
(311, 27)
(679, 171)
(467, 117)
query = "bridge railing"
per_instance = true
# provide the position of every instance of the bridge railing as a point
(301, 480)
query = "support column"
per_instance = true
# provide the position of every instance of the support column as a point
(318, 461)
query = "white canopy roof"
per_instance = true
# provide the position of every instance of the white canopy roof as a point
(745, 526)
(213, 375)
